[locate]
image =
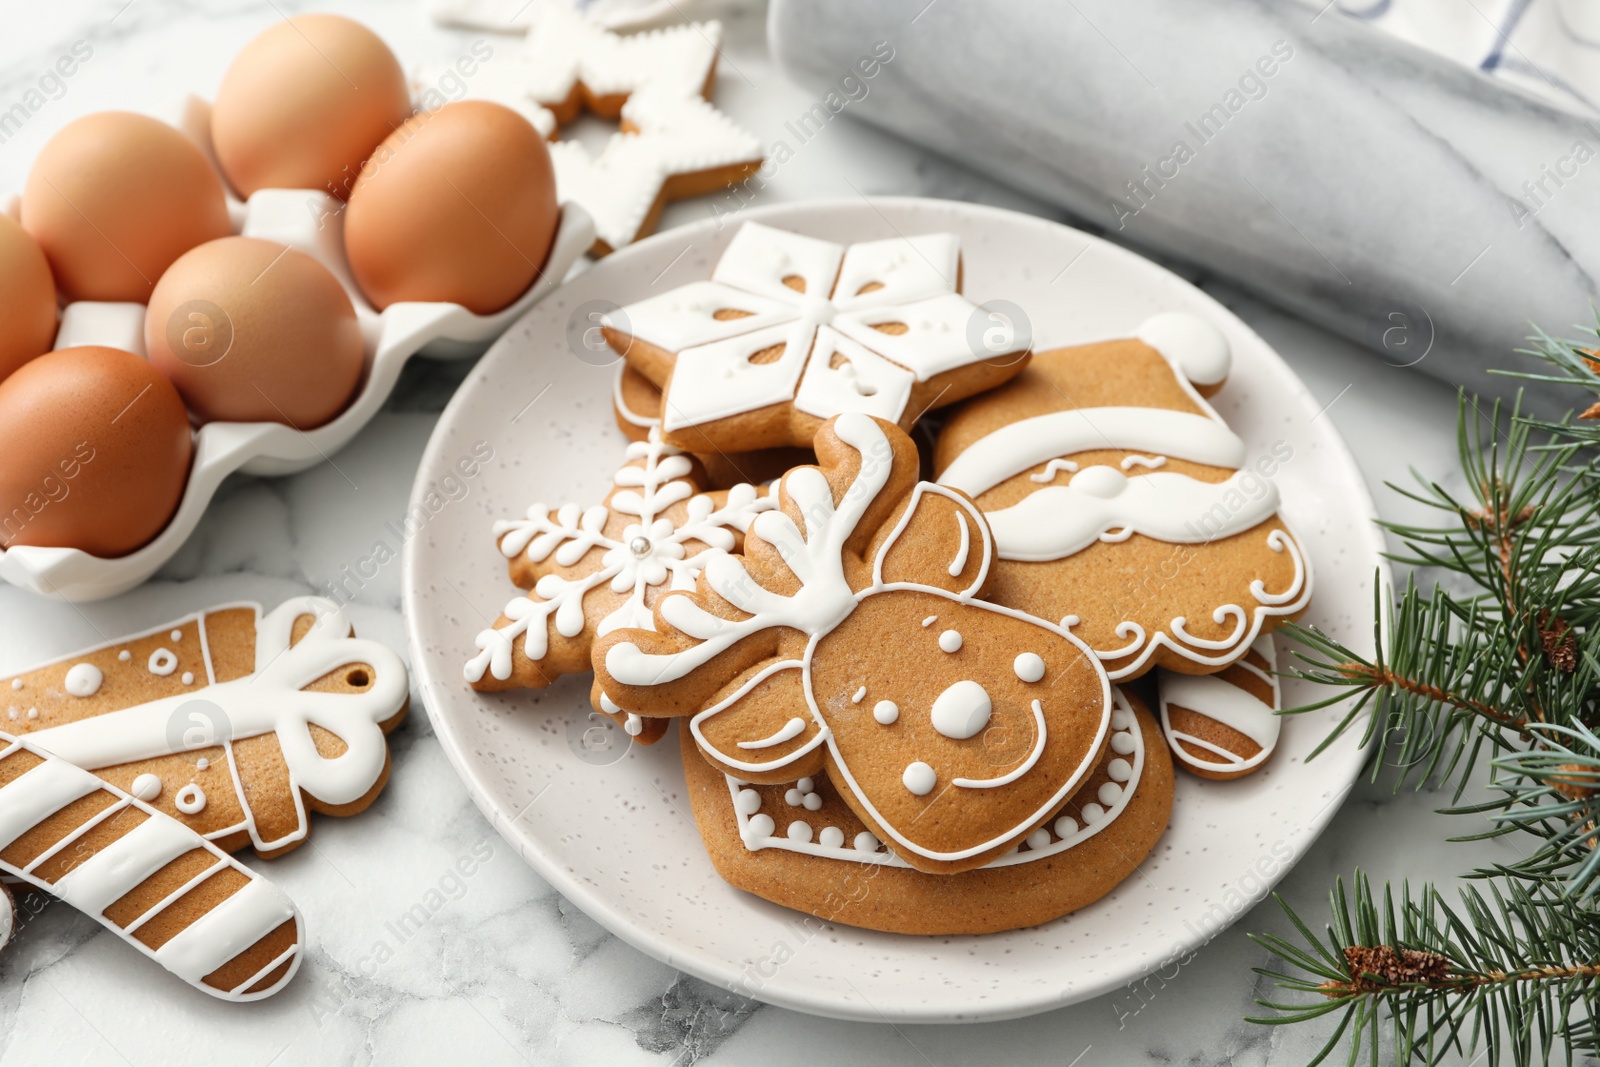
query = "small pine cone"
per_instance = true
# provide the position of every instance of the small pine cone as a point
(1580, 783)
(1560, 643)
(1377, 968)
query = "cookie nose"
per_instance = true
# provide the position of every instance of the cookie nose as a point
(1103, 482)
(961, 710)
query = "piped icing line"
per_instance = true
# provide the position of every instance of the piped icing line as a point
(1124, 724)
(1040, 736)
(646, 493)
(205, 943)
(1218, 699)
(270, 700)
(824, 600)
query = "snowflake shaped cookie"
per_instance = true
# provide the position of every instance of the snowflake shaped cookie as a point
(672, 143)
(791, 330)
(597, 569)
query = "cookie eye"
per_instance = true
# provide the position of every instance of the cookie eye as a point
(1148, 462)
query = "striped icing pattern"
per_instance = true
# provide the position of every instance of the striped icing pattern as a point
(1219, 698)
(207, 942)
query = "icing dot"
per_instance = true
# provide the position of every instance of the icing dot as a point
(794, 798)
(187, 678)
(176, 635)
(865, 842)
(831, 837)
(146, 787)
(1039, 839)
(1109, 793)
(856, 699)
(813, 801)
(799, 831)
(163, 661)
(1121, 720)
(1029, 667)
(950, 641)
(1122, 743)
(886, 711)
(16, 683)
(919, 778)
(760, 826)
(84, 679)
(748, 802)
(1093, 813)
(13, 713)
(202, 764)
(805, 785)
(1120, 770)
(634, 726)
(961, 710)
(1066, 826)
(1069, 621)
(191, 799)
(33, 713)
(124, 656)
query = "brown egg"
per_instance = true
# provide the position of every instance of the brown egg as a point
(458, 205)
(27, 298)
(252, 331)
(304, 104)
(97, 449)
(114, 198)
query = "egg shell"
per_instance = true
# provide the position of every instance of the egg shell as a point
(97, 448)
(27, 298)
(254, 331)
(304, 104)
(458, 205)
(114, 198)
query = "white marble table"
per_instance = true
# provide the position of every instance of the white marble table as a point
(506, 971)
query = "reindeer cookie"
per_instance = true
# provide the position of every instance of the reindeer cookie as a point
(847, 638)
(791, 330)
(233, 722)
(591, 571)
(1124, 507)
(141, 874)
(802, 846)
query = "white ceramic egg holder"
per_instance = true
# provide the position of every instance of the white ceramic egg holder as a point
(312, 222)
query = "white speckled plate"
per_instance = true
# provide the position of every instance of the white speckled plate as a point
(613, 832)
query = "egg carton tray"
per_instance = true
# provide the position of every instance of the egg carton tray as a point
(311, 221)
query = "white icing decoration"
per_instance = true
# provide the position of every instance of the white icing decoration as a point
(33, 713)
(1039, 737)
(961, 710)
(633, 726)
(176, 636)
(929, 621)
(1190, 343)
(1150, 462)
(16, 683)
(919, 778)
(794, 798)
(648, 490)
(191, 799)
(1068, 832)
(162, 662)
(787, 732)
(202, 764)
(205, 943)
(858, 695)
(800, 831)
(812, 801)
(748, 801)
(124, 656)
(831, 837)
(1039, 839)
(146, 787)
(1119, 770)
(1108, 793)
(950, 641)
(273, 699)
(187, 678)
(886, 711)
(1028, 666)
(832, 321)
(83, 680)
(959, 563)
(1218, 699)
(1052, 468)
(1092, 813)
(806, 785)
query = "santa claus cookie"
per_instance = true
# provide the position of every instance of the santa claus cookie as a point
(1123, 506)
(791, 330)
(802, 846)
(143, 875)
(593, 570)
(233, 722)
(1224, 725)
(847, 638)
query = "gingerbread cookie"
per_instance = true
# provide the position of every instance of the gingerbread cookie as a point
(144, 876)
(8, 917)
(802, 846)
(231, 721)
(1125, 507)
(847, 637)
(1224, 725)
(791, 331)
(672, 142)
(591, 571)
(636, 403)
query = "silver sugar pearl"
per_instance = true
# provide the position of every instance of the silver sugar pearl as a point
(640, 547)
